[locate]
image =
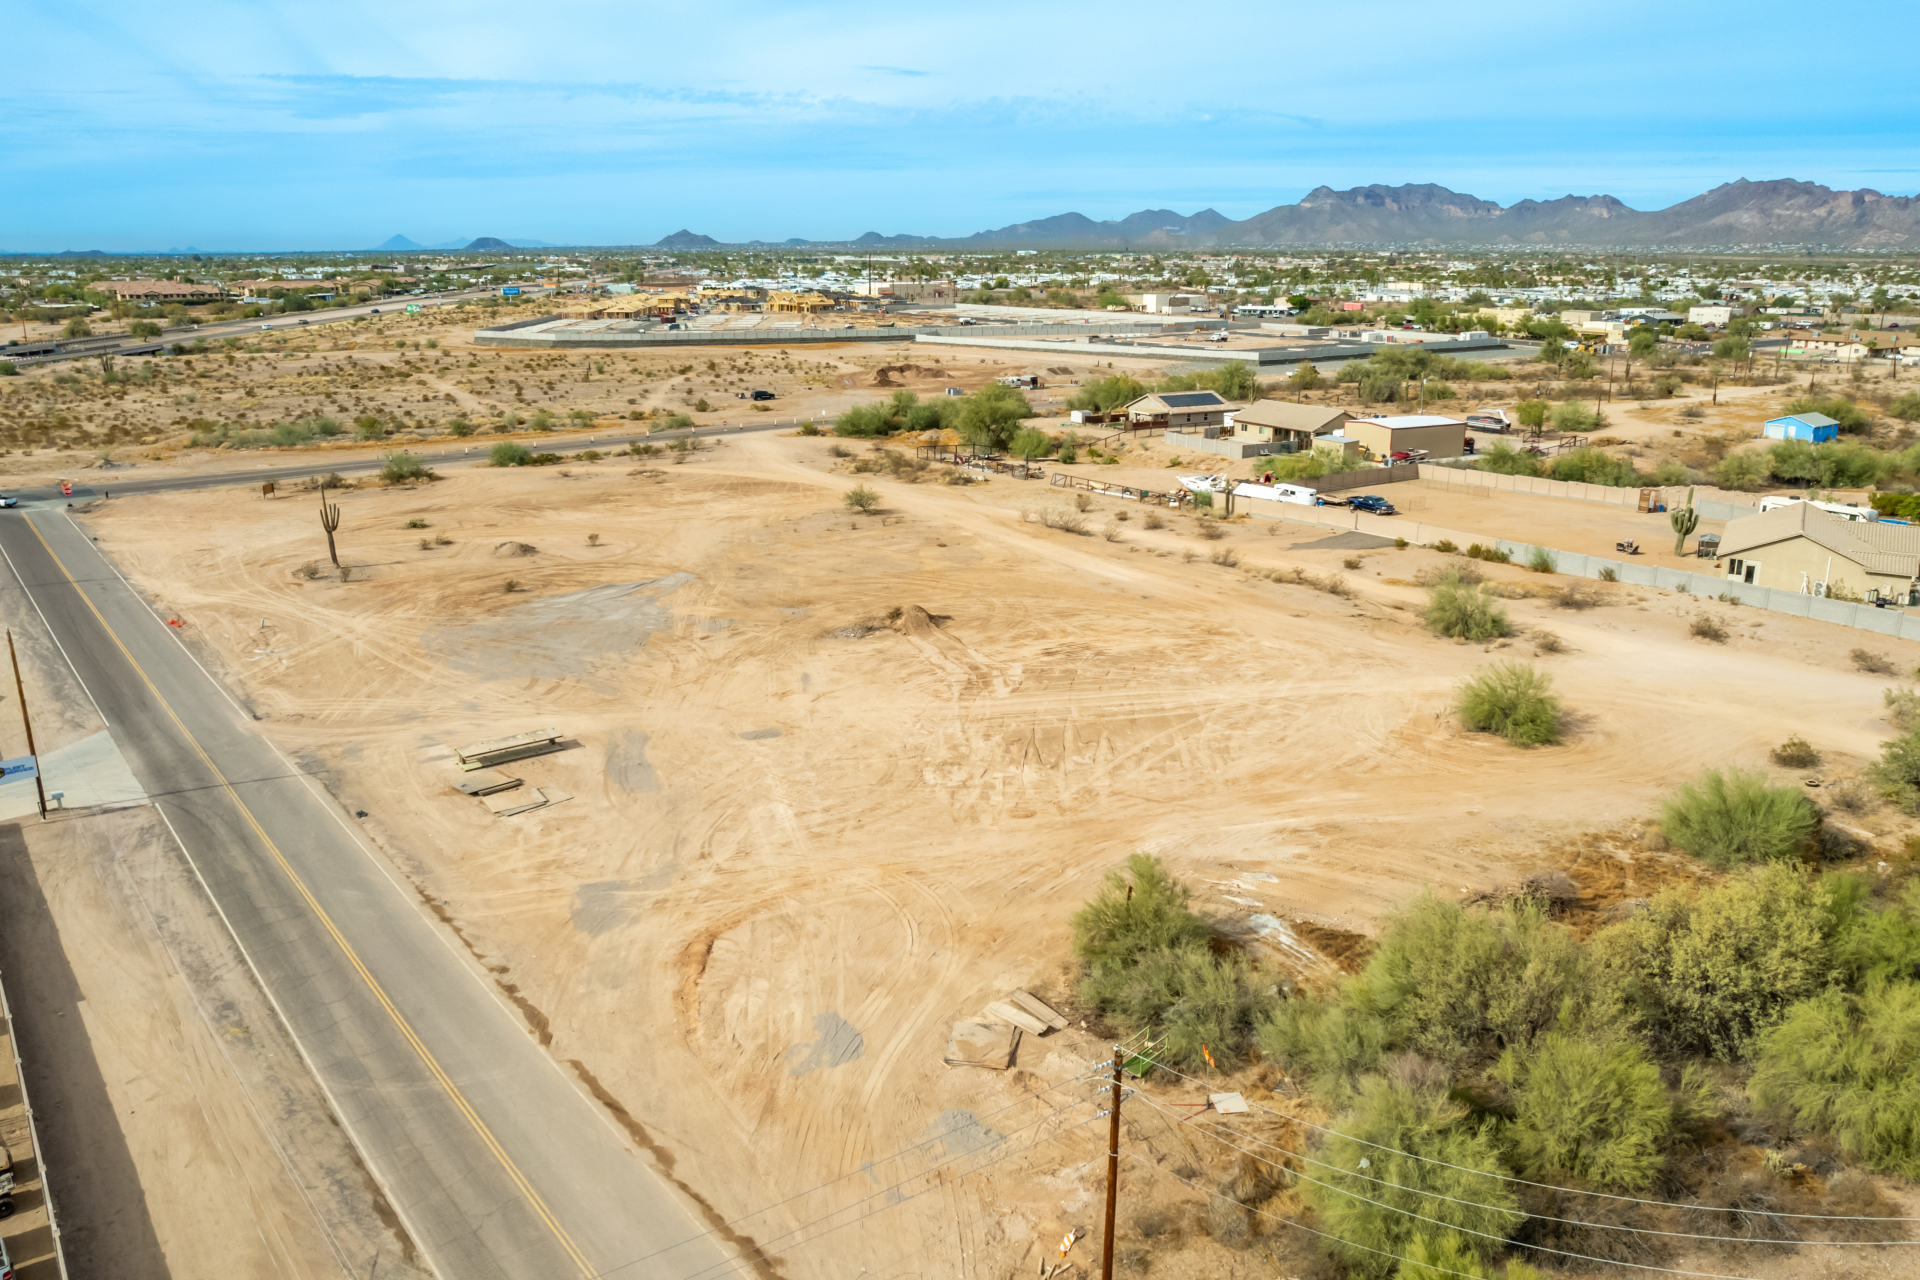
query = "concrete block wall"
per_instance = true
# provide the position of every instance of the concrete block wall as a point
(1891, 622)
(1730, 507)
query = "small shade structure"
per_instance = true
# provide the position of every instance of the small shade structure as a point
(1803, 426)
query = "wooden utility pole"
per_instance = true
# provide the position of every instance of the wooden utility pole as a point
(1113, 1167)
(40, 784)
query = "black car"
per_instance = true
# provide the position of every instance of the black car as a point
(1372, 504)
(760, 395)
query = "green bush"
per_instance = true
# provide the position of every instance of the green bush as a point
(1879, 946)
(1144, 910)
(1463, 612)
(1401, 1131)
(509, 453)
(1329, 1041)
(1541, 560)
(1741, 471)
(1503, 459)
(1728, 818)
(1898, 769)
(860, 499)
(1587, 1108)
(1531, 413)
(1447, 1256)
(1708, 973)
(1590, 465)
(1512, 699)
(1850, 1066)
(398, 467)
(1905, 407)
(1574, 416)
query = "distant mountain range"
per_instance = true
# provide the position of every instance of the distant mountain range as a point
(1777, 212)
(1736, 215)
(400, 244)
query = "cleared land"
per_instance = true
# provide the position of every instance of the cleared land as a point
(837, 782)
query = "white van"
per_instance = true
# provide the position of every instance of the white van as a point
(1296, 493)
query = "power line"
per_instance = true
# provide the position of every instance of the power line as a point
(866, 1167)
(1327, 1235)
(733, 1265)
(1475, 1204)
(1544, 1186)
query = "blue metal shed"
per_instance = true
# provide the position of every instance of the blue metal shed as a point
(1803, 426)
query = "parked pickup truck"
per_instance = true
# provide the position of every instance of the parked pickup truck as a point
(1373, 504)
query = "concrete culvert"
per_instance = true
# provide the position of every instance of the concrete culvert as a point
(508, 549)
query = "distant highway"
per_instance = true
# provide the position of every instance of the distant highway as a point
(120, 344)
(89, 485)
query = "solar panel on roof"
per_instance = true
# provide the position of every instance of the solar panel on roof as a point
(1188, 399)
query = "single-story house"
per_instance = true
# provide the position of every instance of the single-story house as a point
(1802, 426)
(1861, 344)
(1799, 547)
(1440, 436)
(1711, 316)
(1295, 427)
(1179, 410)
(159, 290)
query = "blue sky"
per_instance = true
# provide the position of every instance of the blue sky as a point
(259, 126)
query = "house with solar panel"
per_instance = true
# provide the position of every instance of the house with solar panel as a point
(1179, 410)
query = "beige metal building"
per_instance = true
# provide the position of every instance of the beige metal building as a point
(1799, 547)
(1296, 425)
(1441, 437)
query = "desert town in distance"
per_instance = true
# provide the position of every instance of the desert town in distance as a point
(1368, 733)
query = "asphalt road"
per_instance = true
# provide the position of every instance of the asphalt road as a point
(88, 348)
(496, 1160)
(91, 485)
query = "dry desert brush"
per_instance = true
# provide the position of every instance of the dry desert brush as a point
(1513, 699)
(1795, 753)
(1464, 611)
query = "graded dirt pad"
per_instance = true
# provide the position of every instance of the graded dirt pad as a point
(805, 841)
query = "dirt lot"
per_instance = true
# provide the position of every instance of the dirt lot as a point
(808, 833)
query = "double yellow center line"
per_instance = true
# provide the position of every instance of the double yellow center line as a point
(406, 1030)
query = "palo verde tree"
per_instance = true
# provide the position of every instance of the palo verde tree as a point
(330, 521)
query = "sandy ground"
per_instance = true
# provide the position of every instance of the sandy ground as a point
(184, 1135)
(802, 842)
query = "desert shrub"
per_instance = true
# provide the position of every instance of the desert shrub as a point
(1464, 612)
(1328, 1041)
(1503, 459)
(1732, 817)
(1545, 641)
(1210, 530)
(1898, 769)
(1409, 1135)
(510, 586)
(1741, 471)
(1153, 521)
(416, 523)
(1445, 546)
(1874, 946)
(1704, 627)
(1609, 574)
(1850, 1066)
(860, 499)
(396, 468)
(1227, 557)
(1540, 560)
(1144, 910)
(1795, 753)
(1905, 407)
(1434, 574)
(1531, 413)
(1591, 465)
(1449, 982)
(1189, 996)
(1870, 662)
(509, 453)
(1588, 1108)
(1708, 973)
(1513, 700)
(1351, 562)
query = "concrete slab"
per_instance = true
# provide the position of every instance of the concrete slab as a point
(91, 772)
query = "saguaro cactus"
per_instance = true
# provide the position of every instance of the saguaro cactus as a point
(1684, 521)
(329, 520)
